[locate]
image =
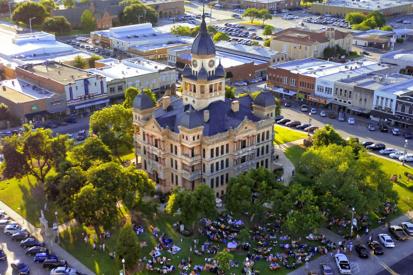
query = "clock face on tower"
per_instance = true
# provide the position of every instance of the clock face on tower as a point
(194, 63)
(211, 63)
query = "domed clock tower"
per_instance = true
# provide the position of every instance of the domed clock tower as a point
(204, 81)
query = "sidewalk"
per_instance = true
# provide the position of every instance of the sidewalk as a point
(374, 264)
(36, 232)
(283, 161)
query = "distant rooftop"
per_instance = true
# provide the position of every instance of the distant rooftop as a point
(377, 81)
(364, 69)
(368, 4)
(19, 91)
(115, 69)
(57, 71)
(251, 50)
(399, 55)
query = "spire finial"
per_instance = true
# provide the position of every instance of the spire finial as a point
(203, 8)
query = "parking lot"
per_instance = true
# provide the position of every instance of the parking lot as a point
(240, 34)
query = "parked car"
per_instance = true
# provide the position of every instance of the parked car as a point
(367, 143)
(362, 251)
(20, 267)
(376, 247)
(407, 227)
(3, 256)
(40, 257)
(386, 240)
(323, 113)
(293, 123)
(284, 121)
(53, 263)
(35, 249)
(19, 236)
(4, 222)
(396, 155)
(71, 119)
(81, 135)
(313, 111)
(371, 127)
(287, 104)
(395, 131)
(61, 270)
(341, 116)
(325, 269)
(398, 232)
(30, 242)
(332, 115)
(302, 126)
(342, 263)
(406, 158)
(304, 108)
(407, 135)
(351, 120)
(311, 129)
(376, 146)
(278, 118)
(387, 151)
(384, 128)
(10, 229)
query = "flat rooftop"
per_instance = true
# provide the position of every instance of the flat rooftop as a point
(244, 49)
(320, 71)
(116, 69)
(19, 91)
(368, 4)
(357, 71)
(377, 81)
(58, 72)
(227, 60)
(157, 2)
(307, 65)
(399, 55)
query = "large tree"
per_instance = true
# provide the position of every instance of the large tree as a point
(26, 10)
(69, 3)
(224, 259)
(134, 12)
(113, 125)
(88, 21)
(130, 94)
(35, 152)
(91, 151)
(57, 24)
(220, 36)
(127, 246)
(252, 13)
(264, 15)
(230, 91)
(49, 5)
(326, 136)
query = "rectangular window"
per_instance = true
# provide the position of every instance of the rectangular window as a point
(176, 164)
(267, 149)
(227, 163)
(243, 144)
(172, 177)
(227, 148)
(222, 180)
(267, 135)
(217, 151)
(176, 150)
(226, 177)
(176, 179)
(203, 153)
(222, 164)
(258, 152)
(216, 181)
(258, 138)
(216, 166)
(172, 163)
(172, 149)
(212, 168)
(212, 183)
(222, 149)
(212, 153)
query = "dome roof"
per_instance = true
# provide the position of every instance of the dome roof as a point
(265, 99)
(203, 44)
(187, 71)
(142, 101)
(219, 70)
(190, 119)
(203, 74)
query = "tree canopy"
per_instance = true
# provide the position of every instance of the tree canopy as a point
(49, 5)
(79, 62)
(88, 21)
(134, 12)
(57, 24)
(26, 10)
(252, 13)
(326, 136)
(230, 91)
(268, 29)
(127, 246)
(220, 36)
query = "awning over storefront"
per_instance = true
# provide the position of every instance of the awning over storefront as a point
(91, 103)
(318, 100)
(277, 90)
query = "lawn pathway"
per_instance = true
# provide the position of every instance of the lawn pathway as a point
(283, 161)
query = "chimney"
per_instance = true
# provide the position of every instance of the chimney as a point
(235, 106)
(166, 101)
(4, 88)
(206, 115)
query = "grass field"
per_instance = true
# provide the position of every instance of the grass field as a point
(294, 153)
(284, 134)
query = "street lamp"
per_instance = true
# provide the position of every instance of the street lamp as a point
(352, 223)
(123, 264)
(405, 150)
(309, 122)
(30, 23)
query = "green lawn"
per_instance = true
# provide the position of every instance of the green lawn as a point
(404, 187)
(285, 134)
(294, 153)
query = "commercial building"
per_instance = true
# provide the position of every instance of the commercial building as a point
(379, 39)
(30, 48)
(271, 5)
(314, 79)
(203, 138)
(84, 91)
(137, 72)
(140, 39)
(403, 59)
(342, 7)
(167, 8)
(30, 102)
(299, 43)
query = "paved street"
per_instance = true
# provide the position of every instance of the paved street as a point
(403, 267)
(359, 130)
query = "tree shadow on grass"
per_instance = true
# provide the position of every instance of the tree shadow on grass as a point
(33, 199)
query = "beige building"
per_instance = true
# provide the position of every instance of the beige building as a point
(203, 138)
(167, 8)
(272, 5)
(300, 43)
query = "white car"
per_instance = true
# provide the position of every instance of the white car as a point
(323, 114)
(396, 155)
(10, 229)
(351, 120)
(342, 263)
(387, 151)
(4, 222)
(313, 111)
(406, 158)
(62, 270)
(407, 227)
(386, 240)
